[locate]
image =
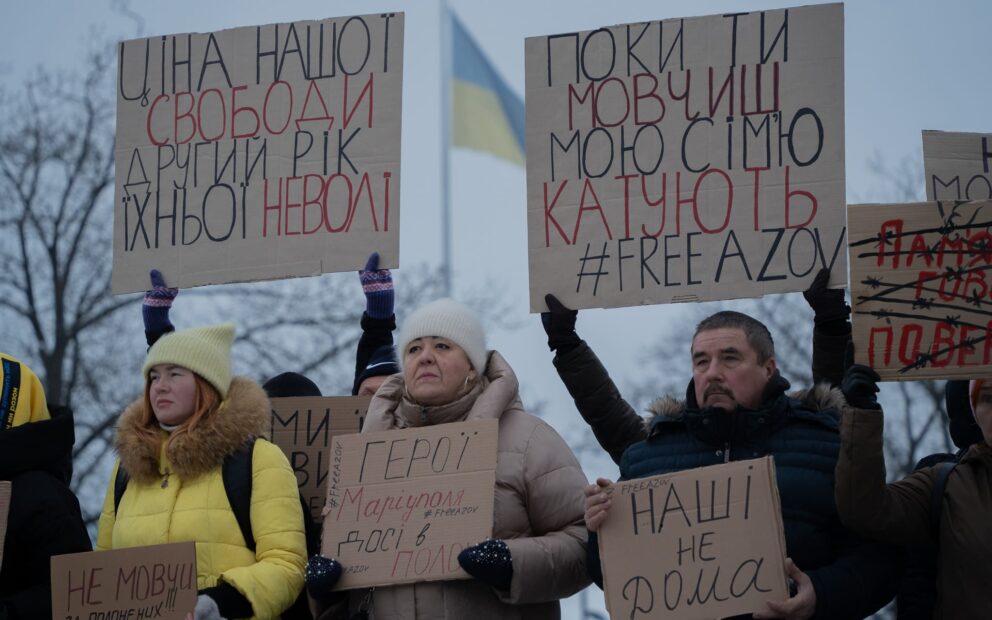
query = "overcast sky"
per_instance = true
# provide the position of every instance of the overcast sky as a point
(909, 66)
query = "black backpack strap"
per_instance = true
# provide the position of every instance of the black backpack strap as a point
(120, 485)
(237, 474)
(937, 496)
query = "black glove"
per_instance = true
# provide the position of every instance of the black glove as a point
(489, 562)
(859, 385)
(827, 303)
(322, 575)
(559, 324)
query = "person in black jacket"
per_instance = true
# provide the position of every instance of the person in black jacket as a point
(44, 517)
(736, 407)
(615, 425)
(375, 359)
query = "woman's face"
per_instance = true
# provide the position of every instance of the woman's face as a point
(172, 392)
(434, 370)
(983, 410)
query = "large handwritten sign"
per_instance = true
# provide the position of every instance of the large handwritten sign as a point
(703, 543)
(957, 165)
(920, 288)
(142, 582)
(304, 427)
(402, 504)
(686, 159)
(258, 153)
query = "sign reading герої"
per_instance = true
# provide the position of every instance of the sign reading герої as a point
(402, 504)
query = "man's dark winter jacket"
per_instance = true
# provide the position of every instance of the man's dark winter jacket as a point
(852, 578)
(44, 518)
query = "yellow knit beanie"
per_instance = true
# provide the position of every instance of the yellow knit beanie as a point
(204, 350)
(22, 398)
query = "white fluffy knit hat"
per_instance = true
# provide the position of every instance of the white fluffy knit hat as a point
(446, 318)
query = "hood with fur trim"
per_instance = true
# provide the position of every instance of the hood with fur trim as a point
(243, 415)
(817, 398)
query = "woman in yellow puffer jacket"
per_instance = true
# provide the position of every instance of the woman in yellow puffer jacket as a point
(172, 443)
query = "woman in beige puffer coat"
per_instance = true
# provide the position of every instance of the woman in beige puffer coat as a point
(538, 507)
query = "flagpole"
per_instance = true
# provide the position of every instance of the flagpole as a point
(446, 61)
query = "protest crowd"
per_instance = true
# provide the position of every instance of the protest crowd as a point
(743, 497)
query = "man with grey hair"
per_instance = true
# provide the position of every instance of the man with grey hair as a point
(736, 407)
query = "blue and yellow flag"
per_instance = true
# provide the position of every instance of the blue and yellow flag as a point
(488, 116)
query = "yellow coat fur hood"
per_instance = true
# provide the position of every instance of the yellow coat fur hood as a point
(178, 495)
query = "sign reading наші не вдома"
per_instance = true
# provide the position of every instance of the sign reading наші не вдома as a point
(256, 153)
(702, 543)
(686, 159)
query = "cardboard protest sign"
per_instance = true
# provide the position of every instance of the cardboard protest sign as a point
(5, 489)
(158, 581)
(920, 288)
(258, 153)
(401, 505)
(702, 543)
(304, 427)
(686, 159)
(957, 165)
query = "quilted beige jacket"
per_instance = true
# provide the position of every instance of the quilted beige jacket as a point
(538, 509)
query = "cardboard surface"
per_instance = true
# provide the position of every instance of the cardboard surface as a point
(655, 168)
(257, 153)
(920, 289)
(402, 504)
(956, 165)
(5, 488)
(703, 543)
(304, 428)
(151, 582)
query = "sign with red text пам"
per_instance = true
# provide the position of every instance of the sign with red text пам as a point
(698, 544)
(304, 427)
(258, 153)
(921, 288)
(957, 165)
(402, 504)
(158, 581)
(686, 159)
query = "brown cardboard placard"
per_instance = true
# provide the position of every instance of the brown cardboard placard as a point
(957, 165)
(5, 489)
(402, 504)
(686, 159)
(157, 581)
(303, 427)
(702, 543)
(260, 152)
(920, 283)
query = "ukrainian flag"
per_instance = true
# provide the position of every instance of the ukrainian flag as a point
(488, 116)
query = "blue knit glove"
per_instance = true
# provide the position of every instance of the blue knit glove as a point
(378, 287)
(489, 562)
(322, 575)
(155, 307)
